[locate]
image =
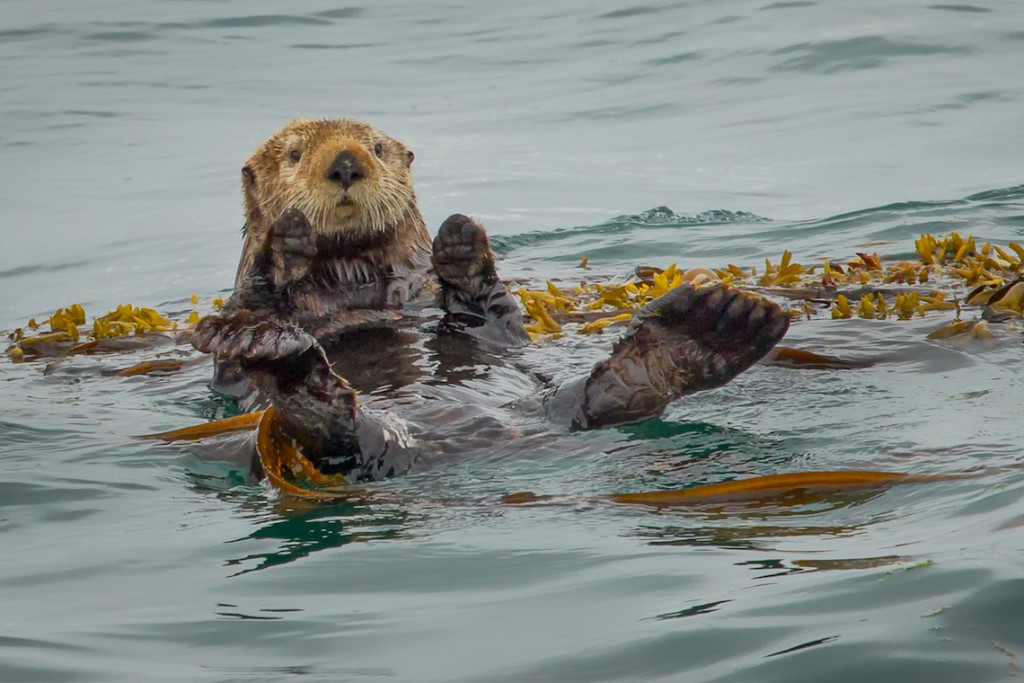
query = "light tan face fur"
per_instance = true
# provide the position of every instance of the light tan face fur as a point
(292, 169)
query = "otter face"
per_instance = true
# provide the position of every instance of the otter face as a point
(347, 177)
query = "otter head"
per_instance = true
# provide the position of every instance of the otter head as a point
(350, 180)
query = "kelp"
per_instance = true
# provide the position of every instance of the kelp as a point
(776, 487)
(287, 470)
(125, 328)
(204, 431)
(788, 489)
(865, 287)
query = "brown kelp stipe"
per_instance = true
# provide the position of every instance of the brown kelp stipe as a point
(278, 453)
(789, 489)
(777, 486)
(238, 423)
(160, 366)
(799, 358)
(293, 474)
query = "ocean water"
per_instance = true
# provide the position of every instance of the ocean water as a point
(694, 132)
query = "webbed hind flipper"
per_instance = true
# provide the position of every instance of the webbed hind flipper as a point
(472, 296)
(685, 341)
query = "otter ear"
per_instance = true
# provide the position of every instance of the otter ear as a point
(252, 211)
(409, 157)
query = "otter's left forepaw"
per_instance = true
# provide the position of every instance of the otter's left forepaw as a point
(462, 252)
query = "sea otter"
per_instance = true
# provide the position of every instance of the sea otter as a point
(340, 292)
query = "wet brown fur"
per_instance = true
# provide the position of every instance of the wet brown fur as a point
(367, 229)
(335, 245)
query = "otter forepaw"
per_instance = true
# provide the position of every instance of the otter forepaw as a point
(290, 248)
(251, 339)
(473, 298)
(462, 252)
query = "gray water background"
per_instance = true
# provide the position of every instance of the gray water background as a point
(124, 128)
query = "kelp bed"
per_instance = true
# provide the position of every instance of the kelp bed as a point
(950, 274)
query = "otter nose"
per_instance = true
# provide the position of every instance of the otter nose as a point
(345, 169)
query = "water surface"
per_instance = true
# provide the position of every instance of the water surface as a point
(566, 128)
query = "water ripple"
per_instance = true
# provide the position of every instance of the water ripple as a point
(126, 123)
(969, 9)
(252, 21)
(855, 54)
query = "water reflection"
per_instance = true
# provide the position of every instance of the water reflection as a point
(706, 608)
(760, 524)
(736, 537)
(785, 567)
(300, 530)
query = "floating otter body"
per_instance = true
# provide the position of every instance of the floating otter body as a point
(336, 292)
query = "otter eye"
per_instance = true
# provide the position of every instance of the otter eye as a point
(295, 155)
(378, 149)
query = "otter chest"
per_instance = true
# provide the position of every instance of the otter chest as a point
(346, 284)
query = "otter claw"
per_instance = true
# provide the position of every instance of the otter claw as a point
(726, 320)
(290, 247)
(462, 251)
(250, 339)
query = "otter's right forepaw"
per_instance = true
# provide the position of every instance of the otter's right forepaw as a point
(290, 248)
(251, 339)
(462, 253)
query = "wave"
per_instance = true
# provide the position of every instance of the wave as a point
(724, 235)
(658, 217)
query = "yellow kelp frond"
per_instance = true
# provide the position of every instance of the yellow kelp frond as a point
(283, 463)
(601, 323)
(965, 333)
(867, 307)
(949, 270)
(786, 274)
(127, 319)
(841, 308)
(1009, 297)
(539, 312)
(70, 333)
(551, 308)
(878, 290)
(907, 304)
